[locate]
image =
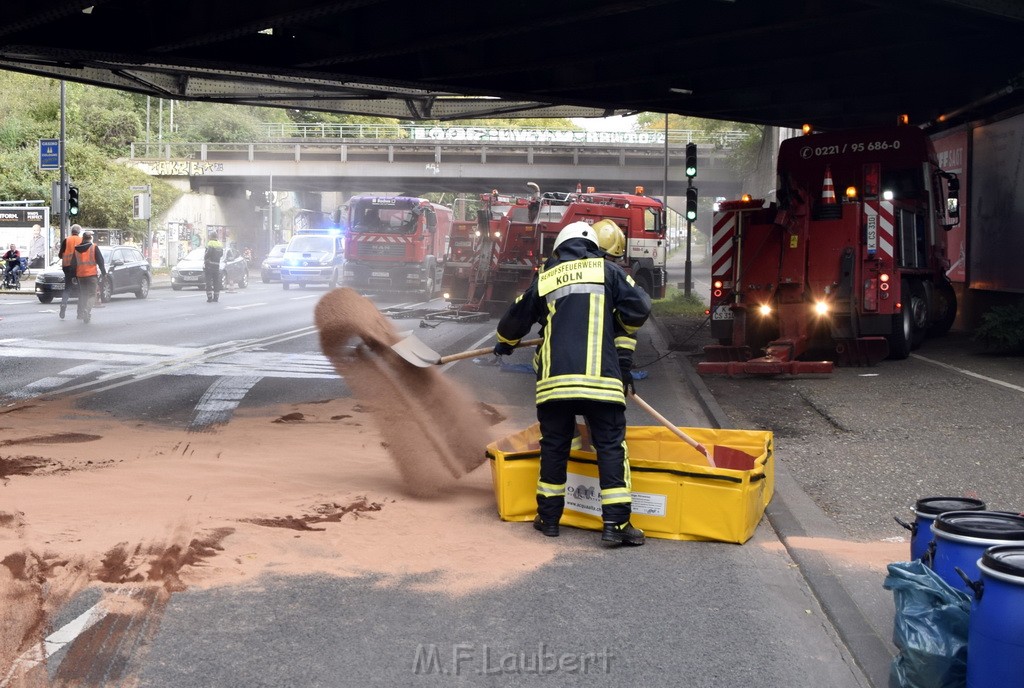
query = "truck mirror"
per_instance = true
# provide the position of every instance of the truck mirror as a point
(534, 211)
(483, 220)
(431, 221)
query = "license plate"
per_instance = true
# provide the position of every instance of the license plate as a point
(190, 278)
(57, 287)
(722, 313)
(380, 274)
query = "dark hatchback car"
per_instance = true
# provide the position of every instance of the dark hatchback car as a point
(189, 270)
(270, 269)
(128, 271)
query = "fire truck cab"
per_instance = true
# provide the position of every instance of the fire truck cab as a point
(850, 258)
(396, 244)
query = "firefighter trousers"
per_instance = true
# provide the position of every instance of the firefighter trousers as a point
(607, 423)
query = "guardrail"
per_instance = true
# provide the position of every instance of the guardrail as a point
(279, 137)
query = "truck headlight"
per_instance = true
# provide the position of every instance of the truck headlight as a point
(821, 307)
(764, 309)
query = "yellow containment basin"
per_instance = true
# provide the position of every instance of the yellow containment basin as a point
(676, 494)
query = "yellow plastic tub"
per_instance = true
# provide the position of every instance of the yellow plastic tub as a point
(676, 494)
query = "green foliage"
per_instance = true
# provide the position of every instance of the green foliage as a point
(743, 156)
(100, 123)
(677, 302)
(103, 117)
(216, 122)
(1002, 329)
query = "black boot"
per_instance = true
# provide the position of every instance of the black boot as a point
(549, 529)
(622, 534)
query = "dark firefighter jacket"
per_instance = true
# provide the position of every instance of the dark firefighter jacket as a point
(589, 310)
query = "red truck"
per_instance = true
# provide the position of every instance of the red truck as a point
(492, 263)
(850, 261)
(395, 244)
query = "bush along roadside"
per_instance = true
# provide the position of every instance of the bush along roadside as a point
(1002, 329)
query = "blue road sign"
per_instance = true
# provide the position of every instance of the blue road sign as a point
(49, 154)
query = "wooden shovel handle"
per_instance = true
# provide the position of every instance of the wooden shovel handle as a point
(481, 352)
(678, 433)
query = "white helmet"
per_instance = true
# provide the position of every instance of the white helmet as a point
(576, 230)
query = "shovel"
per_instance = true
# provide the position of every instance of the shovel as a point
(422, 356)
(678, 433)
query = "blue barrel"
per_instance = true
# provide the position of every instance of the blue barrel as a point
(995, 635)
(961, 538)
(926, 510)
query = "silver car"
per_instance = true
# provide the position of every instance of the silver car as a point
(189, 270)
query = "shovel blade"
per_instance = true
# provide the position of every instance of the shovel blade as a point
(410, 348)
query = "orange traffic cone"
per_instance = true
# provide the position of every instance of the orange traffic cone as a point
(828, 192)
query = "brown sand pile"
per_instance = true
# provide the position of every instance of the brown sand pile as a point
(433, 430)
(144, 508)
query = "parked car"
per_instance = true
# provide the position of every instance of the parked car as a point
(189, 270)
(270, 270)
(128, 271)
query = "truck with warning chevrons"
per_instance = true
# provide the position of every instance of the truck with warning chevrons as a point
(847, 265)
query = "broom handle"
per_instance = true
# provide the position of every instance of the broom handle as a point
(668, 424)
(481, 352)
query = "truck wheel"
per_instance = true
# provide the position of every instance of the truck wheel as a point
(44, 298)
(902, 326)
(945, 306)
(918, 313)
(643, 280)
(286, 285)
(333, 284)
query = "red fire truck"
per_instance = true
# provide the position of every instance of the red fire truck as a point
(395, 243)
(495, 261)
(851, 258)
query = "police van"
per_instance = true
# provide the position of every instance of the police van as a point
(314, 256)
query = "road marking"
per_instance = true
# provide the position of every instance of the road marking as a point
(57, 640)
(248, 305)
(962, 371)
(119, 364)
(307, 296)
(219, 402)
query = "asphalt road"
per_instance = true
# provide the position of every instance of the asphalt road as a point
(852, 451)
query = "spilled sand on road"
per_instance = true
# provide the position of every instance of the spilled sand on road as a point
(317, 493)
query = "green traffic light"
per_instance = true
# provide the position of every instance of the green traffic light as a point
(691, 160)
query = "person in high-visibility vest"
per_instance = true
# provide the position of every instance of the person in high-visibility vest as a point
(88, 262)
(587, 307)
(211, 267)
(65, 252)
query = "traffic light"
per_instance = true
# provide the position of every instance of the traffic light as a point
(72, 201)
(691, 160)
(691, 203)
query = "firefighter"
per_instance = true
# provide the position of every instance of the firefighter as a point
(581, 302)
(610, 238)
(211, 267)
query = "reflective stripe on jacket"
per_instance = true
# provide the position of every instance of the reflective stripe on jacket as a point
(584, 304)
(70, 243)
(86, 262)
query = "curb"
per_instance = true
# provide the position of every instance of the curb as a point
(793, 514)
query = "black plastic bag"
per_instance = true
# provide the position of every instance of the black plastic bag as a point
(930, 628)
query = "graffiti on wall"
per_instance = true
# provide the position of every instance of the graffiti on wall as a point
(180, 168)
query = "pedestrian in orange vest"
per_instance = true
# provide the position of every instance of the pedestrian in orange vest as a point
(88, 262)
(67, 248)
